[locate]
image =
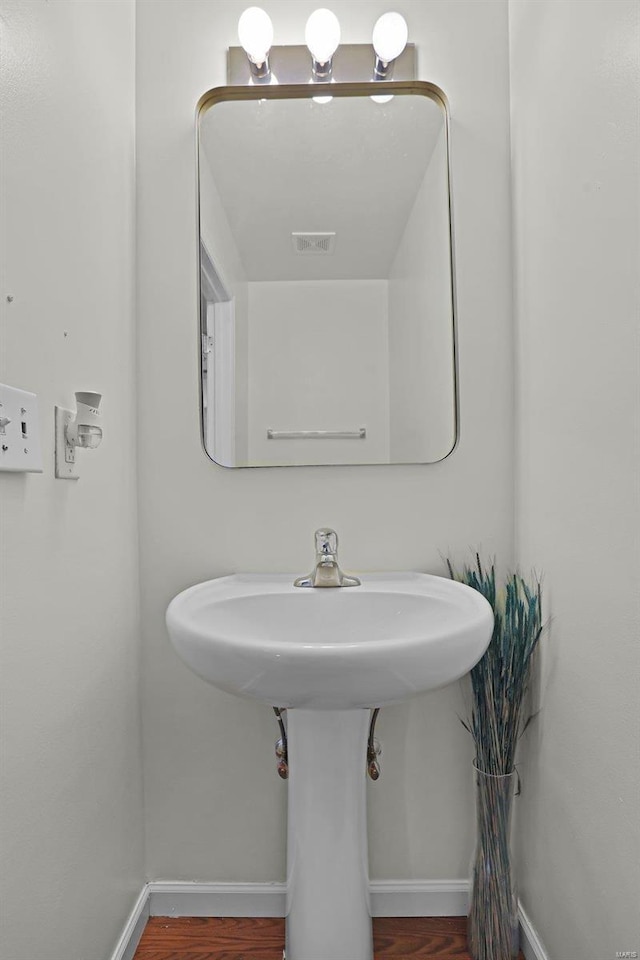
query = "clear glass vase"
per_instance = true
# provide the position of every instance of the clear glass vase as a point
(492, 925)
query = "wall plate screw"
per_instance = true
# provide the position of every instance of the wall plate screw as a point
(5, 447)
(10, 299)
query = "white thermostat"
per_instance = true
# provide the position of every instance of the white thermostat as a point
(20, 450)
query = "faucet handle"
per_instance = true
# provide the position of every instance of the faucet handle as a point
(326, 572)
(326, 542)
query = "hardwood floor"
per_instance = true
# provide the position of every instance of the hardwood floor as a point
(262, 938)
(212, 938)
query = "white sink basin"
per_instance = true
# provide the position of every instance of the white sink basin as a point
(394, 636)
(328, 654)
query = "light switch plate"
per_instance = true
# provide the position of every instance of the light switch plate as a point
(66, 467)
(20, 450)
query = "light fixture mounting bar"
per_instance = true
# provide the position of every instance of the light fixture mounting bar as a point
(352, 63)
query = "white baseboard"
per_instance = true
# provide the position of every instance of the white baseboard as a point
(194, 899)
(133, 928)
(530, 942)
(389, 898)
(419, 898)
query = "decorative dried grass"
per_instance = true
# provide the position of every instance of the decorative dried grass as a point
(499, 684)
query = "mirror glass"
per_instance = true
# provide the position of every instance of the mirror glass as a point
(326, 303)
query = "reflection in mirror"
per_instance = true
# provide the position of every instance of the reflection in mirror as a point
(326, 281)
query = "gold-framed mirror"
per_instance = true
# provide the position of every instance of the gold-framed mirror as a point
(327, 307)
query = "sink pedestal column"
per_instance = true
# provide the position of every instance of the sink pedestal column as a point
(328, 914)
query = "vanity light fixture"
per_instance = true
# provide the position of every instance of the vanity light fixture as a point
(322, 37)
(82, 430)
(257, 61)
(390, 35)
(255, 33)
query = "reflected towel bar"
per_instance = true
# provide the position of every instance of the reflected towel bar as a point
(317, 434)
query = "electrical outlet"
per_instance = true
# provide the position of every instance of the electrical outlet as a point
(66, 468)
(20, 450)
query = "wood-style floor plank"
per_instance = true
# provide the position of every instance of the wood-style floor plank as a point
(212, 938)
(416, 938)
(262, 938)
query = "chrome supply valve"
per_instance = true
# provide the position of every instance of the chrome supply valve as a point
(326, 572)
(282, 752)
(373, 769)
(373, 748)
(281, 755)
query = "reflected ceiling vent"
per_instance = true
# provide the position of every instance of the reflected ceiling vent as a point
(314, 243)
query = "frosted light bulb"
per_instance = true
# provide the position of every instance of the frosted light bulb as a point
(390, 36)
(255, 33)
(322, 35)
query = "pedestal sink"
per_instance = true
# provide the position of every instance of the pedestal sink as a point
(329, 655)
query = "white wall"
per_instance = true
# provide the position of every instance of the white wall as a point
(574, 70)
(215, 806)
(421, 346)
(326, 343)
(71, 821)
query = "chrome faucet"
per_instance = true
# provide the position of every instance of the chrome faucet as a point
(326, 572)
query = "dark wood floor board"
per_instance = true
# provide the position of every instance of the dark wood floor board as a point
(417, 938)
(262, 938)
(222, 954)
(212, 938)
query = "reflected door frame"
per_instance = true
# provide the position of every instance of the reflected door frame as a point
(224, 377)
(220, 379)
